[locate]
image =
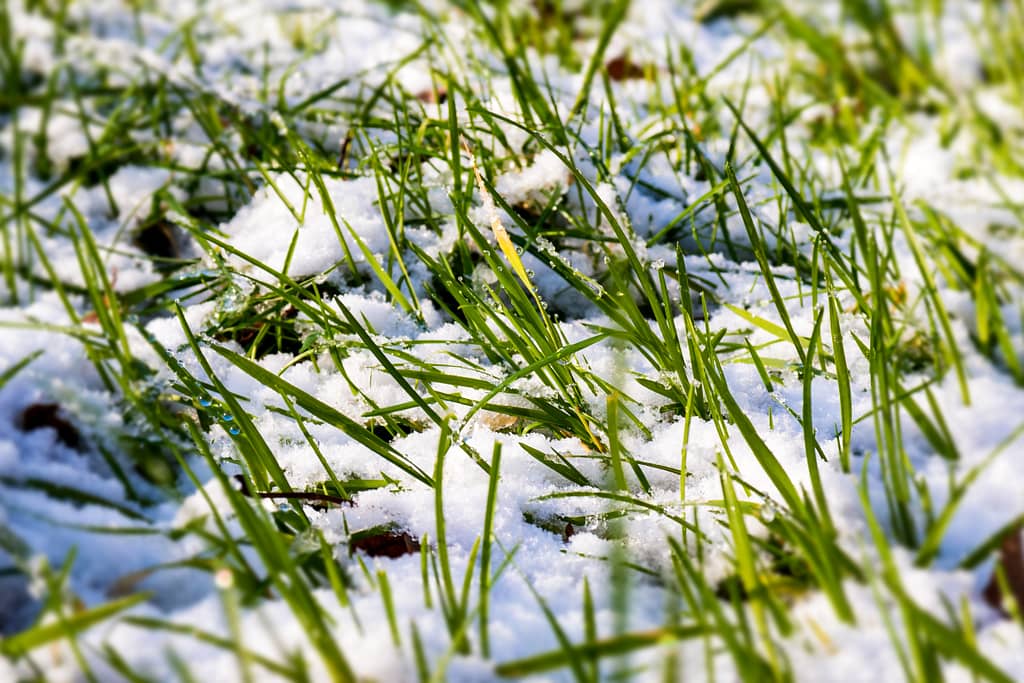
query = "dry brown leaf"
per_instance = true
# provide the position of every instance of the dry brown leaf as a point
(1011, 561)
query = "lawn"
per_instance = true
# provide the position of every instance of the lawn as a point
(537, 339)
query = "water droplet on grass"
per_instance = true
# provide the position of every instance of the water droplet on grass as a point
(205, 402)
(227, 417)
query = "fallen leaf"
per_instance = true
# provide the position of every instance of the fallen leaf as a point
(622, 69)
(158, 239)
(497, 421)
(431, 96)
(386, 544)
(43, 415)
(1011, 560)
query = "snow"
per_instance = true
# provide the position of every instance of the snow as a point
(289, 227)
(265, 229)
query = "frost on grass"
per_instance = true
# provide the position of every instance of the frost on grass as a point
(354, 341)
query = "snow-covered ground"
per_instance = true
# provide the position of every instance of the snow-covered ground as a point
(103, 496)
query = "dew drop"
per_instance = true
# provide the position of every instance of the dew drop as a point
(234, 431)
(227, 417)
(205, 402)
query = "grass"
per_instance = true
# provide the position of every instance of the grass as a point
(797, 289)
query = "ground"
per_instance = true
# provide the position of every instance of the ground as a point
(548, 340)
